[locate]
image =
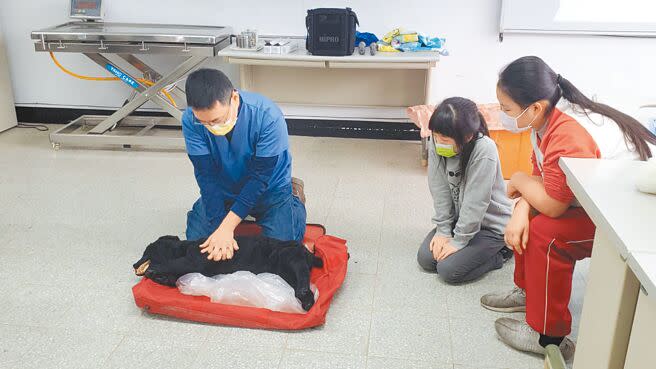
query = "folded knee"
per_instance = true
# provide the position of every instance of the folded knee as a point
(449, 274)
(452, 278)
(541, 225)
(425, 262)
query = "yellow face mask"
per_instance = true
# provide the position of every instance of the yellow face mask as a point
(222, 129)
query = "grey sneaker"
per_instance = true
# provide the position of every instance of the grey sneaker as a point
(522, 337)
(297, 189)
(506, 302)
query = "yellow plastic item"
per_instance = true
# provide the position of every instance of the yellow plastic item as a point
(390, 35)
(87, 78)
(387, 48)
(409, 37)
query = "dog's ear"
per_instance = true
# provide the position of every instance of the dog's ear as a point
(147, 255)
(169, 238)
(139, 262)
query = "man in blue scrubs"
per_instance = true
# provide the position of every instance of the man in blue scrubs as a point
(238, 144)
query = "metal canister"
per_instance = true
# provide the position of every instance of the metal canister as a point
(252, 38)
(242, 41)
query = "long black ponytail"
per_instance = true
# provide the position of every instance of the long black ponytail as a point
(530, 79)
(460, 119)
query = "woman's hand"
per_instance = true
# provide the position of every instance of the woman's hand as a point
(447, 250)
(516, 234)
(220, 245)
(437, 243)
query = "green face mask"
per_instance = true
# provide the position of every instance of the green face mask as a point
(445, 150)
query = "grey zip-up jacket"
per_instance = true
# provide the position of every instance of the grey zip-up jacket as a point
(464, 207)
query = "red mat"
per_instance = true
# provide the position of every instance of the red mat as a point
(158, 299)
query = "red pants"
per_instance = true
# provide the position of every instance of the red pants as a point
(545, 268)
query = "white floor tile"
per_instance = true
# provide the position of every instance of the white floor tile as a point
(406, 334)
(70, 348)
(237, 358)
(390, 363)
(159, 351)
(294, 359)
(346, 332)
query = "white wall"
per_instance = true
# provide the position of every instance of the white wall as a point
(620, 71)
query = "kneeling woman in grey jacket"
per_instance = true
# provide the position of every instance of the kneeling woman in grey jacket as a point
(469, 195)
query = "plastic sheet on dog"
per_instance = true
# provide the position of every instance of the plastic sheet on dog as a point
(244, 288)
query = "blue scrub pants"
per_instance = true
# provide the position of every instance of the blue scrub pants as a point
(280, 214)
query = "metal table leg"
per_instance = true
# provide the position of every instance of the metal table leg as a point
(159, 100)
(150, 73)
(150, 93)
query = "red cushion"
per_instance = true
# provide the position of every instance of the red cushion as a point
(158, 299)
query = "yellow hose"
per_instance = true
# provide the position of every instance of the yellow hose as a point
(87, 78)
(166, 93)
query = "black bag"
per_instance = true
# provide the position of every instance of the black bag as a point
(331, 31)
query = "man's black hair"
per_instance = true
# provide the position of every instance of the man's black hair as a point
(205, 87)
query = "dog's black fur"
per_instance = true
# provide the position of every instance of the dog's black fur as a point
(170, 258)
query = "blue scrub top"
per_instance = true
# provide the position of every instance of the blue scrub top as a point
(260, 131)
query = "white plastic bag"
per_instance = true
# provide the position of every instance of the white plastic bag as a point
(244, 288)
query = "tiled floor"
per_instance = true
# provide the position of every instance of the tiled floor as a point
(73, 221)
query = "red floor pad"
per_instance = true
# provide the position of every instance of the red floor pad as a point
(158, 299)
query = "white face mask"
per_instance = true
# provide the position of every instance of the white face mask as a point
(510, 123)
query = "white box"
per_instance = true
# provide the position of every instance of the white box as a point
(280, 47)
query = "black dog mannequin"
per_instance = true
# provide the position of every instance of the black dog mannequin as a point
(169, 258)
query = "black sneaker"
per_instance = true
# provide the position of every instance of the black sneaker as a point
(506, 254)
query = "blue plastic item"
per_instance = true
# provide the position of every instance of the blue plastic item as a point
(368, 38)
(434, 43)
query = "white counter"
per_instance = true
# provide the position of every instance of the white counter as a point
(607, 191)
(623, 259)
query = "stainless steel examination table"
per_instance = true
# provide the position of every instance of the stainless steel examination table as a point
(111, 45)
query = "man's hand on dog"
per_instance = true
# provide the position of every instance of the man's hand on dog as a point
(220, 245)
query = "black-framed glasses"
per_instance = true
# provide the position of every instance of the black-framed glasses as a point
(223, 119)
